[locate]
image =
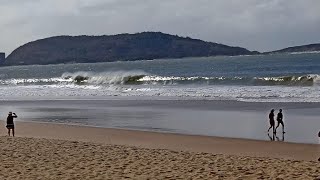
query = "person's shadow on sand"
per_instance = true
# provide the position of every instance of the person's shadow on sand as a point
(275, 137)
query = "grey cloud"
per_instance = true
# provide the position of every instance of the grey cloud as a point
(254, 24)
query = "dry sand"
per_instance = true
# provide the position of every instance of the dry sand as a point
(50, 151)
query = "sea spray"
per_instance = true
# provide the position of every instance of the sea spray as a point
(112, 77)
(143, 78)
(278, 78)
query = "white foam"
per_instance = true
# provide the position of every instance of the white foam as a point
(108, 77)
(241, 93)
(34, 80)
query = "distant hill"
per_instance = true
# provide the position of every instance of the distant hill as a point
(122, 47)
(297, 49)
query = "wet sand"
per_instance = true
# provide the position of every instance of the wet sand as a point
(53, 151)
(196, 117)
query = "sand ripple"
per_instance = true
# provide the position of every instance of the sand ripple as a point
(32, 158)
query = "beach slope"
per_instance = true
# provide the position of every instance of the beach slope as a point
(51, 151)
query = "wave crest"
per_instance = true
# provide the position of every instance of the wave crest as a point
(115, 77)
(140, 77)
(304, 80)
(31, 81)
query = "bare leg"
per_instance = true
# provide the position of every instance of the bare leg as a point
(273, 128)
(269, 137)
(283, 127)
(273, 136)
(9, 132)
(277, 125)
(13, 132)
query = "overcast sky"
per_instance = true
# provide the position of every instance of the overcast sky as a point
(261, 25)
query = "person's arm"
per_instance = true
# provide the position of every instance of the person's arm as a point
(14, 115)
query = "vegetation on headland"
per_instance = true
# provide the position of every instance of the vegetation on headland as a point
(126, 47)
(297, 49)
(122, 47)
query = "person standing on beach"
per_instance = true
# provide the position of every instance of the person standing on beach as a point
(280, 120)
(319, 139)
(271, 120)
(10, 124)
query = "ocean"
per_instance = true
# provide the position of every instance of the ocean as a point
(270, 78)
(215, 96)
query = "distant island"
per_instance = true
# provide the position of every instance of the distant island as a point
(297, 49)
(125, 47)
(122, 47)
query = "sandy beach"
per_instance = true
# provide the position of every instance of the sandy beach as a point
(54, 151)
(173, 89)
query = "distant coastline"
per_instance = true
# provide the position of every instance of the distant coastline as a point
(127, 47)
(310, 48)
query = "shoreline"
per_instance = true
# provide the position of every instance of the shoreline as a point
(161, 101)
(151, 131)
(206, 118)
(170, 141)
(212, 100)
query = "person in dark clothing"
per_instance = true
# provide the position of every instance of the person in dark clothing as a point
(319, 138)
(282, 138)
(272, 138)
(280, 120)
(10, 124)
(271, 120)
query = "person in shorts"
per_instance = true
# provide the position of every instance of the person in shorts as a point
(10, 123)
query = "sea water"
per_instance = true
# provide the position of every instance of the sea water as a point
(279, 78)
(118, 94)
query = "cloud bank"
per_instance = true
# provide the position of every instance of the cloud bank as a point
(261, 25)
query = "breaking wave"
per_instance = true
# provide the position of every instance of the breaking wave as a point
(306, 80)
(31, 81)
(143, 78)
(116, 77)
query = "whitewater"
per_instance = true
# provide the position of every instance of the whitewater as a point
(270, 78)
